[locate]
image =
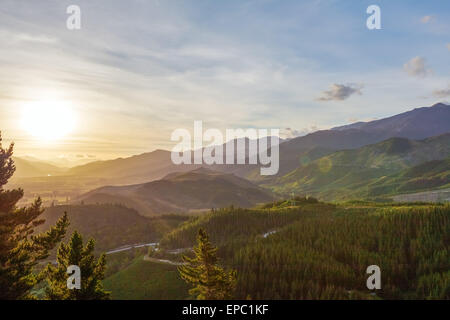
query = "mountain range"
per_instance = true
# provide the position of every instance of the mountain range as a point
(416, 124)
(419, 123)
(355, 160)
(26, 168)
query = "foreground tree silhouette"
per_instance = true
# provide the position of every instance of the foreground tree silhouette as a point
(92, 272)
(211, 281)
(20, 249)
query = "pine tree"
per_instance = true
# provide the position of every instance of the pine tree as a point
(20, 249)
(92, 272)
(211, 282)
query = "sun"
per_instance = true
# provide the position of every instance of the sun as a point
(48, 120)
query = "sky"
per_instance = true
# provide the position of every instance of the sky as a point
(137, 70)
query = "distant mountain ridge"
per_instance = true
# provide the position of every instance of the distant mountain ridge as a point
(26, 168)
(295, 154)
(416, 124)
(136, 169)
(419, 123)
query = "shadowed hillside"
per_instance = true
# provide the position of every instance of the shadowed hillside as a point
(200, 189)
(111, 225)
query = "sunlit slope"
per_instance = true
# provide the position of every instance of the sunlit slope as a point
(342, 174)
(145, 280)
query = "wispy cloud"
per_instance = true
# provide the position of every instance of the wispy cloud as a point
(138, 69)
(442, 93)
(416, 67)
(35, 38)
(427, 19)
(289, 133)
(340, 92)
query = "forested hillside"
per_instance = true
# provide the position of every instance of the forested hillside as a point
(321, 251)
(112, 225)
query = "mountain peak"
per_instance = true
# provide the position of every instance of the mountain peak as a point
(439, 105)
(419, 123)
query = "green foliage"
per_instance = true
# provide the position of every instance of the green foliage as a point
(237, 225)
(92, 272)
(295, 201)
(145, 280)
(426, 176)
(393, 166)
(121, 260)
(20, 248)
(325, 257)
(113, 225)
(321, 251)
(211, 282)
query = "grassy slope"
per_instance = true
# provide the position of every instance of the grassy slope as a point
(426, 176)
(147, 280)
(341, 174)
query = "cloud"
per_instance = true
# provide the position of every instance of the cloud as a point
(289, 133)
(426, 19)
(85, 156)
(164, 68)
(35, 38)
(340, 92)
(442, 93)
(448, 46)
(416, 67)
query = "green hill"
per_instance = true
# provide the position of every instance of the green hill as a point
(426, 176)
(143, 280)
(342, 174)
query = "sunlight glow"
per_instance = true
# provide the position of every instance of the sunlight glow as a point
(48, 120)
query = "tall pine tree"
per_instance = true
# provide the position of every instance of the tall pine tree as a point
(20, 249)
(92, 272)
(211, 282)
